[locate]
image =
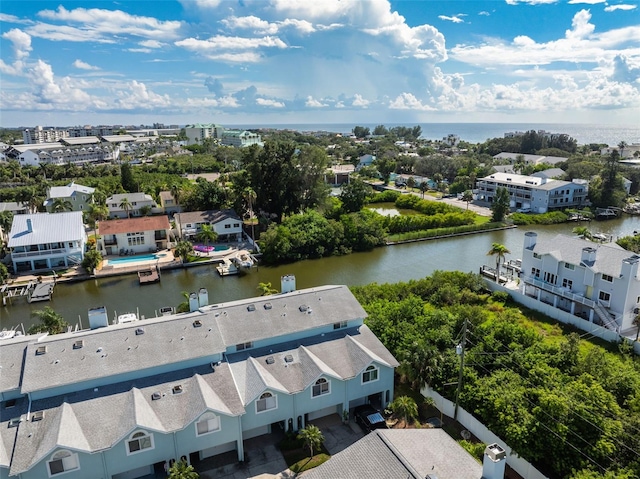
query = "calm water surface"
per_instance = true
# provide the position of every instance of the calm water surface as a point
(383, 265)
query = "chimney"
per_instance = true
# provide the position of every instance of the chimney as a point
(629, 267)
(203, 297)
(98, 317)
(494, 462)
(530, 239)
(588, 256)
(193, 302)
(287, 283)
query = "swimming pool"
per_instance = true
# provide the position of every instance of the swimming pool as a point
(208, 249)
(133, 259)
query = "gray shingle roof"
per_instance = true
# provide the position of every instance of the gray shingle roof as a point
(12, 360)
(401, 454)
(209, 216)
(70, 421)
(69, 190)
(609, 256)
(46, 228)
(118, 349)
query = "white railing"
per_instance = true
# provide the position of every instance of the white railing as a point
(564, 292)
(41, 253)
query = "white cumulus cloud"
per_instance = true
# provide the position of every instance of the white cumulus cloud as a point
(84, 66)
(270, 103)
(623, 7)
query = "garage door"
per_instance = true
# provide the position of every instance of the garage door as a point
(259, 431)
(322, 412)
(214, 451)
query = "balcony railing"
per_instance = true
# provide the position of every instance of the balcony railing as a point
(564, 292)
(47, 252)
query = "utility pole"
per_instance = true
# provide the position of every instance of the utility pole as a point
(460, 350)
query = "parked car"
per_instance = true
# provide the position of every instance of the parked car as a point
(369, 418)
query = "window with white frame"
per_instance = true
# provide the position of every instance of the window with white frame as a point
(266, 402)
(61, 462)
(570, 266)
(320, 388)
(207, 424)
(567, 283)
(602, 296)
(606, 277)
(135, 239)
(535, 272)
(139, 441)
(536, 256)
(370, 374)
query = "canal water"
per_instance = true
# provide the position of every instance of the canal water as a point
(389, 264)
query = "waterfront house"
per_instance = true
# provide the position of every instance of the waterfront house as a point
(136, 201)
(529, 159)
(365, 160)
(78, 196)
(138, 235)
(598, 282)
(119, 401)
(534, 193)
(44, 241)
(226, 223)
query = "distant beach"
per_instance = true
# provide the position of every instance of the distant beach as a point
(480, 132)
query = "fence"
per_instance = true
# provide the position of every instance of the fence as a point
(562, 316)
(479, 430)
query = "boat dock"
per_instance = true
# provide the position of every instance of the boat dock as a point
(33, 291)
(149, 276)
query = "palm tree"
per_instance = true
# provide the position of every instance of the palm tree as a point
(636, 323)
(582, 231)
(499, 251)
(419, 364)
(6, 220)
(182, 470)
(126, 205)
(312, 437)
(467, 197)
(50, 322)
(60, 205)
(266, 289)
(621, 146)
(176, 192)
(405, 407)
(250, 196)
(182, 250)
(207, 234)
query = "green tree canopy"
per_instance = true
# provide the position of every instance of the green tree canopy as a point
(312, 437)
(500, 206)
(50, 322)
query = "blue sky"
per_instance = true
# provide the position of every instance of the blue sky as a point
(319, 61)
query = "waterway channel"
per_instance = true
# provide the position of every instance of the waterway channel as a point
(383, 265)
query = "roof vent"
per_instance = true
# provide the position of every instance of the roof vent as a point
(267, 306)
(41, 350)
(139, 331)
(270, 360)
(78, 344)
(288, 358)
(15, 421)
(303, 307)
(37, 416)
(177, 389)
(155, 396)
(251, 307)
(197, 323)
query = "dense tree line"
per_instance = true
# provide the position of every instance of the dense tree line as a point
(531, 142)
(568, 405)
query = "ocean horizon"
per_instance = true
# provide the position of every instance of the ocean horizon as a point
(584, 134)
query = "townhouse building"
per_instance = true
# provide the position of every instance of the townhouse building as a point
(44, 241)
(532, 193)
(597, 282)
(119, 401)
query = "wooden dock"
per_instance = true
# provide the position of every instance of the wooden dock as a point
(32, 291)
(149, 276)
(40, 292)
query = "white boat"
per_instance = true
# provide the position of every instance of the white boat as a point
(243, 260)
(9, 333)
(126, 318)
(227, 268)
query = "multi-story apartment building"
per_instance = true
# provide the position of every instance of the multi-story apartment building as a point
(598, 282)
(198, 132)
(240, 138)
(532, 193)
(88, 130)
(43, 135)
(120, 401)
(44, 241)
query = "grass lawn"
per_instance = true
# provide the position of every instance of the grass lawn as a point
(298, 461)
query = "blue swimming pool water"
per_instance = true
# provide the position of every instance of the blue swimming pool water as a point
(131, 259)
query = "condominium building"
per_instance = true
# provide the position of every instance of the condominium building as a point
(532, 193)
(43, 135)
(198, 132)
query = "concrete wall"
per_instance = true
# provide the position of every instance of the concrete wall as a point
(521, 466)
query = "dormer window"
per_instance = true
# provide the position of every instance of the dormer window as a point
(370, 374)
(139, 441)
(63, 461)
